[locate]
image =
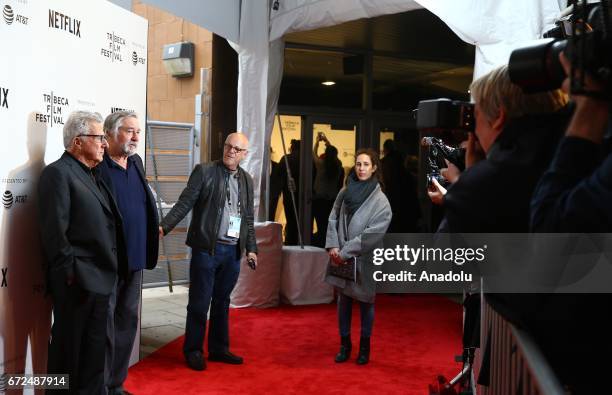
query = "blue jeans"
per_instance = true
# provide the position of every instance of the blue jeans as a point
(345, 310)
(212, 279)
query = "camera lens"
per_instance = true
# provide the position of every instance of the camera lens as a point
(537, 68)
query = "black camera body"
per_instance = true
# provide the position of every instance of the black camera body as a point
(586, 39)
(445, 114)
(437, 151)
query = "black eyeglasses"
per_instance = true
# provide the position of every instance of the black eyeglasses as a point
(230, 147)
(101, 138)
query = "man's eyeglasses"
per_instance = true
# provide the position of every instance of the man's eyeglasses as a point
(101, 138)
(237, 150)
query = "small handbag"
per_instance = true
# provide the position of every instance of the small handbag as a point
(346, 270)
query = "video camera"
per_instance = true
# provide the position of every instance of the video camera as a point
(585, 35)
(443, 115)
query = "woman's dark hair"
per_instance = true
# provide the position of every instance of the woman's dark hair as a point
(332, 164)
(375, 162)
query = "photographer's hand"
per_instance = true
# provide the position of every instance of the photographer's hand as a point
(591, 115)
(436, 192)
(473, 151)
(451, 173)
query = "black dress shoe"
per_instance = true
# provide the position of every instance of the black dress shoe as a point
(195, 360)
(225, 357)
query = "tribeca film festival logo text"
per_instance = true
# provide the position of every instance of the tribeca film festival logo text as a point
(113, 50)
(11, 16)
(59, 21)
(55, 107)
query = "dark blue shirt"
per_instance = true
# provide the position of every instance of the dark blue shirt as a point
(132, 201)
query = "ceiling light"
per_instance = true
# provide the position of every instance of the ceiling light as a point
(328, 83)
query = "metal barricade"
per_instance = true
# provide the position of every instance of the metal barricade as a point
(517, 365)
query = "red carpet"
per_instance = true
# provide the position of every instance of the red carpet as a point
(290, 350)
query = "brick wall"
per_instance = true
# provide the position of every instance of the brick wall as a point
(168, 98)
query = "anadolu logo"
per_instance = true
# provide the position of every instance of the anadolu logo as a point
(7, 199)
(8, 14)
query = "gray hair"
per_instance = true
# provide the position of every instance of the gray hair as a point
(78, 123)
(114, 121)
(494, 91)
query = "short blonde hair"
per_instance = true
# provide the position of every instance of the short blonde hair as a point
(494, 91)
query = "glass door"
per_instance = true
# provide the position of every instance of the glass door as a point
(398, 144)
(333, 144)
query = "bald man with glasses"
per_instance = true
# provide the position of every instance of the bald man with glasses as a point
(221, 230)
(81, 232)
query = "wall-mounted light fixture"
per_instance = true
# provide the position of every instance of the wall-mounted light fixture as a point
(178, 59)
(328, 83)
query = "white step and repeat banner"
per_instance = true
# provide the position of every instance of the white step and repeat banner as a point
(56, 56)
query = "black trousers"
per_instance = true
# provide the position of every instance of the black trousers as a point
(78, 338)
(121, 329)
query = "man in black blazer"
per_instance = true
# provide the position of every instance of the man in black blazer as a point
(82, 240)
(122, 170)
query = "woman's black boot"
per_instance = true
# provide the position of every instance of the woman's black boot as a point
(364, 351)
(345, 349)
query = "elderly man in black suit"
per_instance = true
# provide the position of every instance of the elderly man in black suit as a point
(82, 240)
(122, 170)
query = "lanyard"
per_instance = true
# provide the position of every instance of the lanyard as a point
(227, 191)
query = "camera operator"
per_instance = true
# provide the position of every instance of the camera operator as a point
(513, 142)
(574, 195)
(518, 133)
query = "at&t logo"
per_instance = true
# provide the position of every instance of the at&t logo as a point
(137, 59)
(8, 199)
(10, 16)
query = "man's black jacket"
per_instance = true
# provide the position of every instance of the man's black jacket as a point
(152, 217)
(81, 228)
(206, 193)
(494, 195)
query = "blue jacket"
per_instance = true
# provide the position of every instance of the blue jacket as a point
(575, 194)
(152, 217)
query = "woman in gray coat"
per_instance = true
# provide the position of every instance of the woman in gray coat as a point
(360, 208)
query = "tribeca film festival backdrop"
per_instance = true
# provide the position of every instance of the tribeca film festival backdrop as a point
(57, 56)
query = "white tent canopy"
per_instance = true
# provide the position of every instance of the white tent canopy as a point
(495, 27)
